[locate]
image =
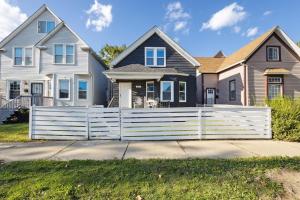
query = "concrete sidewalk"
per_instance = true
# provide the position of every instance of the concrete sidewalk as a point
(105, 150)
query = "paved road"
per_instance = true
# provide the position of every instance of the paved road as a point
(104, 150)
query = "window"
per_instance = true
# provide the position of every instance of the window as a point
(69, 54)
(150, 90)
(182, 91)
(64, 89)
(18, 52)
(14, 89)
(64, 54)
(45, 26)
(58, 53)
(155, 56)
(167, 91)
(23, 56)
(232, 90)
(273, 53)
(275, 84)
(82, 89)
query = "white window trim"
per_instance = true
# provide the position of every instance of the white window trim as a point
(64, 61)
(278, 53)
(147, 89)
(37, 26)
(23, 56)
(8, 87)
(155, 56)
(182, 91)
(58, 87)
(172, 91)
(87, 89)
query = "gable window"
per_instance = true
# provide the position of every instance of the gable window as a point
(275, 85)
(150, 90)
(63, 88)
(232, 90)
(14, 89)
(167, 91)
(155, 56)
(182, 91)
(82, 89)
(45, 26)
(23, 56)
(273, 53)
(64, 54)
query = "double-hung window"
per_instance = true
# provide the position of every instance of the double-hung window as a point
(275, 84)
(155, 56)
(64, 89)
(232, 90)
(14, 89)
(182, 91)
(150, 90)
(23, 56)
(273, 53)
(82, 89)
(64, 54)
(167, 91)
(45, 26)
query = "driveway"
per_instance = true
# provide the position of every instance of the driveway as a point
(105, 150)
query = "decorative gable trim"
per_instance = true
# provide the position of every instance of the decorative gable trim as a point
(29, 20)
(161, 34)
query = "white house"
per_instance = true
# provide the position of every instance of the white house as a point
(44, 57)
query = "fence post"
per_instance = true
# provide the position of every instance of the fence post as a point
(120, 123)
(87, 123)
(31, 109)
(200, 123)
(269, 130)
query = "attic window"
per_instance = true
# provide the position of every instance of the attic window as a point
(155, 56)
(273, 53)
(45, 26)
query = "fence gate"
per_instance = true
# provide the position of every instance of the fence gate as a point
(160, 124)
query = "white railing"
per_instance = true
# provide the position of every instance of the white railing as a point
(82, 123)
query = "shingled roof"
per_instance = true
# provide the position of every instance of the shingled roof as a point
(216, 65)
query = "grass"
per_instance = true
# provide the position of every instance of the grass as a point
(150, 179)
(14, 132)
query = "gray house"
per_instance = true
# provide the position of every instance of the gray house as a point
(154, 71)
(44, 57)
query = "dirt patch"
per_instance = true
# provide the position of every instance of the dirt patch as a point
(290, 181)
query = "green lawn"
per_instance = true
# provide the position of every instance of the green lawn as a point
(151, 179)
(14, 132)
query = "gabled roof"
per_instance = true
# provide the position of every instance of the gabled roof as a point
(166, 38)
(27, 22)
(242, 55)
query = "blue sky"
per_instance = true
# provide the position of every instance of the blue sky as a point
(201, 27)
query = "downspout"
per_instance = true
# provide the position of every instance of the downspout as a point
(245, 85)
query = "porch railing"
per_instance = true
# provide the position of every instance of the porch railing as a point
(26, 102)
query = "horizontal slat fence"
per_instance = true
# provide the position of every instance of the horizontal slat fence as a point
(82, 123)
(160, 124)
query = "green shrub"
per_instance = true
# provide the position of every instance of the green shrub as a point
(285, 119)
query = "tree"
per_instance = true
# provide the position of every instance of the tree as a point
(298, 43)
(110, 52)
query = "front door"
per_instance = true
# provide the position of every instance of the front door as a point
(125, 95)
(210, 96)
(37, 94)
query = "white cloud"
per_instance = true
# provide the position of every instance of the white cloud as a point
(228, 16)
(252, 31)
(99, 16)
(177, 17)
(268, 12)
(10, 17)
(236, 29)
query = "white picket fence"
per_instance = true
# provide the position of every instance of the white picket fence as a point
(82, 123)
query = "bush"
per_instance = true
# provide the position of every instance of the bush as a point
(285, 119)
(20, 116)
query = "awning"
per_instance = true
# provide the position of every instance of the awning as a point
(276, 71)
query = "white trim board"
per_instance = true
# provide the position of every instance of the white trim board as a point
(166, 38)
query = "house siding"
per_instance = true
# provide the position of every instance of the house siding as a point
(257, 65)
(173, 58)
(237, 74)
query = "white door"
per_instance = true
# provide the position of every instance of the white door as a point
(125, 95)
(210, 96)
